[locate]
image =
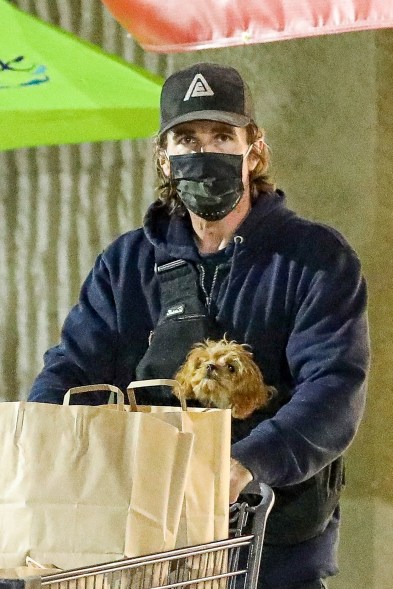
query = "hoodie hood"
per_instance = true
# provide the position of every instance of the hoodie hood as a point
(172, 235)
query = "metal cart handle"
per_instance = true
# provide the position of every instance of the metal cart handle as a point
(261, 491)
(257, 500)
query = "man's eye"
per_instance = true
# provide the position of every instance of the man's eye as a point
(187, 140)
(224, 137)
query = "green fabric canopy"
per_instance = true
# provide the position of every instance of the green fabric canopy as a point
(56, 88)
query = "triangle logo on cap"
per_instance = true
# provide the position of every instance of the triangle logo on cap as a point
(198, 87)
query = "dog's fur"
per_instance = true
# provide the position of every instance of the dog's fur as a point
(223, 374)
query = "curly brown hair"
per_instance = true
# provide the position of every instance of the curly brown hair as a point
(260, 180)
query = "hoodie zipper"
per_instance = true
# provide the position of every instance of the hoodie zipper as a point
(202, 276)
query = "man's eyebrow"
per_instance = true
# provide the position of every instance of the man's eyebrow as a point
(189, 128)
(218, 126)
(181, 129)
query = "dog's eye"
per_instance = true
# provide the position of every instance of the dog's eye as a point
(231, 368)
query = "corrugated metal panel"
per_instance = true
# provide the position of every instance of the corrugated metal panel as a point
(60, 206)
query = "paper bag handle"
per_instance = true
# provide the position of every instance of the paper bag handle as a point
(152, 382)
(35, 564)
(96, 387)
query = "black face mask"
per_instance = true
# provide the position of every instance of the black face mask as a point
(209, 184)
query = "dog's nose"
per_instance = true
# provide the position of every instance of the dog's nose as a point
(210, 368)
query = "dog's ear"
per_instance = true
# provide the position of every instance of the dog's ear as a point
(245, 403)
(252, 392)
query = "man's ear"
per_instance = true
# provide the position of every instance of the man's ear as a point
(165, 164)
(252, 157)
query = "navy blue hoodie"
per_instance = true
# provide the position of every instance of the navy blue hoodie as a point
(290, 288)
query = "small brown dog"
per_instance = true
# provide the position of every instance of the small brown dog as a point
(223, 374)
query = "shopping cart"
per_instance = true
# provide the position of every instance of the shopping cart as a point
(233, 563)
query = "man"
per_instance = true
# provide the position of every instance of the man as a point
(219, 253)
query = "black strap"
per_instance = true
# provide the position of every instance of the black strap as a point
(180, 293)
(184, 320)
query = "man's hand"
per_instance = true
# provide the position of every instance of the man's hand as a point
(239, 478)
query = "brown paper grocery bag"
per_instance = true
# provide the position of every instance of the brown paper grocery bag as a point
(205, 512)
(81, 485)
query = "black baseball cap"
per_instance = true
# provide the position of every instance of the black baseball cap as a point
(206, 91)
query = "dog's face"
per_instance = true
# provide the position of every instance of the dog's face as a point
(223, 374)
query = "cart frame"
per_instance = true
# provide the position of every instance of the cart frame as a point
(233, 563)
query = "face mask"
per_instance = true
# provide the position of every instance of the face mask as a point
(209, 184)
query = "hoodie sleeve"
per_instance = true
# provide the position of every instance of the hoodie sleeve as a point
(328, 356)
(86, 353)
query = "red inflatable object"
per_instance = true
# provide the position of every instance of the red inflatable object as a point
(170, 26)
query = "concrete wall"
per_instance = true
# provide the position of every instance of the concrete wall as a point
(327, 108)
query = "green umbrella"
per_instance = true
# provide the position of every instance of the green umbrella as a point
(56, 88)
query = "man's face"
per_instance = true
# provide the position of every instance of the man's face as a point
(196, 136)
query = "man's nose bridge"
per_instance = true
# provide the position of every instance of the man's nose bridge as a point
(205, 142)
(203, 146)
